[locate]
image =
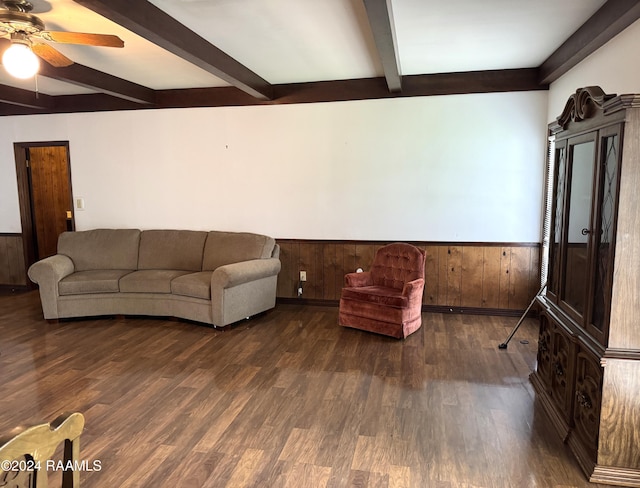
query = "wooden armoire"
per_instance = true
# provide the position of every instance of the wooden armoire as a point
(588, 373)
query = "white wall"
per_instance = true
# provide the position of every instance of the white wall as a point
(614, 67)
(448, 168)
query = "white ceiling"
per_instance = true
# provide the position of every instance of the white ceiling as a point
(290, 41)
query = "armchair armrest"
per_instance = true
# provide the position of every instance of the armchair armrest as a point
(355, 280)
(413, 290)
(231, 275)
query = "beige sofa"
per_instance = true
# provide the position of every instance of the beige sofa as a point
(213, 277)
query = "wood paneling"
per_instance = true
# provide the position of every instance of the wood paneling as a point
(364, 255)
(519, 277)
(442, 275)
(288, 257)
(464, 275)
(330, 266)
(12, 267)
(473, 271)
(468, 275)
(491, 276)
(504, 279)
(430, 296)
(454, 276)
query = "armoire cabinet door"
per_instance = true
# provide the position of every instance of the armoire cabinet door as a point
(605, 227)
(557, 211)
(578, 224)
(588, 391)
(544, 351)
(562, 370)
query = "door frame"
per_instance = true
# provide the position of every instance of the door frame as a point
(25, 197)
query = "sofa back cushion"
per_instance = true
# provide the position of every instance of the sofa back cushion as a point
(101, 248)
(233, 247)
(171, 249)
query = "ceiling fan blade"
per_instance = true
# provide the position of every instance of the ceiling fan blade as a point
(106, 40)
(52, 56)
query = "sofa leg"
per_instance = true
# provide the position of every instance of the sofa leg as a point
(53, 321)
(120, 317)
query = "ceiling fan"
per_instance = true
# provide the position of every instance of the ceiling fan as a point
(26, 32)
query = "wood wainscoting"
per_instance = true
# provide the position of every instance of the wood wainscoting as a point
(480, 277)
(12, 266)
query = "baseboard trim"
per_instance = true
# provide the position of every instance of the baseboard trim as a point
(425, 308)
(610, 475)
(307, 301)
(473, 310)
(8, 289)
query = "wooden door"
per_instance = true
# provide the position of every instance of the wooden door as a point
(51, 203)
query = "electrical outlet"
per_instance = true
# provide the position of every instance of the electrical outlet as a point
(303, 276)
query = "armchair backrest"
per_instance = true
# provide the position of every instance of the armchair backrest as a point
(396, 264)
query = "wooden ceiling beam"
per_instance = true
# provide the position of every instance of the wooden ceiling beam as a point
(80, 75)
(25, 98)
(150, 22)
(322, 91)
(383, 27)
(611, 19)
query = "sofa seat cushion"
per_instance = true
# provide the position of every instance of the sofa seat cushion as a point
(149, 281)
(197, 285)
(92, 281)
(382, 295)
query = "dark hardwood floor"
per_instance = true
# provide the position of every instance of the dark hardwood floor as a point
(287, 399)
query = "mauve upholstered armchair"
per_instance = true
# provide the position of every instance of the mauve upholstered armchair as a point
(387, 299)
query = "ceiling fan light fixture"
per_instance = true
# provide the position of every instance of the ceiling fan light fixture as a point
(20, 61)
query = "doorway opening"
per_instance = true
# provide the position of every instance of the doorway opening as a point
(43, 171)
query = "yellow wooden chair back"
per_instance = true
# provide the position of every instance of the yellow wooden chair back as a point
(24, 453)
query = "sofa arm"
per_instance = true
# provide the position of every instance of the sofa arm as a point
(47, 273)
(355, 280)
(51, 269)
(231, 275)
